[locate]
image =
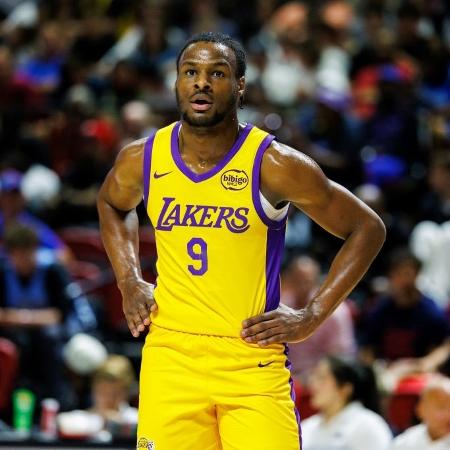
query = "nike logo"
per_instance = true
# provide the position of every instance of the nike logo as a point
(265, 365)
(159, 175)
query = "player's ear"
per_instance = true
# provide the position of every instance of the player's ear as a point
(241, 86)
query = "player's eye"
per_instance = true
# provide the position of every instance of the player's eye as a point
(190, 72)
(218, 74)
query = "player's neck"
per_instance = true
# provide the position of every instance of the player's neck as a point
(208, 144)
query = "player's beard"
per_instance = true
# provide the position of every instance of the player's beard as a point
(202, 120)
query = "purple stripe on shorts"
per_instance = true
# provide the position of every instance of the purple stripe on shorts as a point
(288, 366)
(148, 148)
(274, 254)
(196, 177)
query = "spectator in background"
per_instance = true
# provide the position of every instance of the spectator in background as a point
(37, 312)
(332, 138)
(391, 133)
(41, 69)
(12, 210)
(136, 121)
(430, 243)
(18, 101)
(435, 205)
(333, 337)
(397, 235)
(433, 410)
(405, 323)
(346, 396)
(112, 386)
(83, 354)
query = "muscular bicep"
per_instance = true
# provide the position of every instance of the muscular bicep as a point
(123, 186)
(289, 175)
(340, 213)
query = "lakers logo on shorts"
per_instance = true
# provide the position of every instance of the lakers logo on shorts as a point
(145, 444)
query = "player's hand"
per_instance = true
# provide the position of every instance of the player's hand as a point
(138, 302)
(281, 325)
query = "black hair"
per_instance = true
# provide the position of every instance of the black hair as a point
(441, 159)
(402, 256)
(360, 377)
(19, 236)
(220, 38)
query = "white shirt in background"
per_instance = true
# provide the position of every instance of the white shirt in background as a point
(417, 438)
(354, 428)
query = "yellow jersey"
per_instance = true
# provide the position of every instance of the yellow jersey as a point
(219, 254)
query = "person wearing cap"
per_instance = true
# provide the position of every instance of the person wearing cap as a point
(13, 209)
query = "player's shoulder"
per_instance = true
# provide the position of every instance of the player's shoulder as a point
(278, 153)
(128, 167)
(291, 175)
(134, 149)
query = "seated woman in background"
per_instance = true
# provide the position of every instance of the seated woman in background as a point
(345, 394)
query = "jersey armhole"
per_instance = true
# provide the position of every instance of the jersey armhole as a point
(256, 183)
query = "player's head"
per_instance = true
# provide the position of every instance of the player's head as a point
(433, 408)
(21, 243)
(210, 78)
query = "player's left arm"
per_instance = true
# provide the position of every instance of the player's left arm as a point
(289, 175)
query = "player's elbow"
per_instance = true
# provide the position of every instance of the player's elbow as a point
(375, 229)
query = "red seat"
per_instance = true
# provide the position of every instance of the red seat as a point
(85, 243)
(303, 400)
(9, 364)
(402, 402)
(84, 271)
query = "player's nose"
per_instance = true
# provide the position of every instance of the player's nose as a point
(202, 82)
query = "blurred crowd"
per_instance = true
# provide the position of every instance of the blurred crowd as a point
(363, 87)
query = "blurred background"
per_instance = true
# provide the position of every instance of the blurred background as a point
(363, 87)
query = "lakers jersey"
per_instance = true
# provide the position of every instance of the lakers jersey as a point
(219, 254)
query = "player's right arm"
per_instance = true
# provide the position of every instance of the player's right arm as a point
(118, 197)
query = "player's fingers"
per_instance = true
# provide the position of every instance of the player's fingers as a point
(264, 334)
(258, 328)
(258, 319)
(276, 339)
(143, 313)
(132, 326)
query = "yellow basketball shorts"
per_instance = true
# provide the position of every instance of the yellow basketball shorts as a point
(201, 392)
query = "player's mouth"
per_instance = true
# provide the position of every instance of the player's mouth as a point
(200, 103)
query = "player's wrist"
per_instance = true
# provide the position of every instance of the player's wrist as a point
(131, 277)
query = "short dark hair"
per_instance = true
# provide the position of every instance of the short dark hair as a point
(19, 236)
(361, 378)
(220, 38)
(441, 159)
(403, 256)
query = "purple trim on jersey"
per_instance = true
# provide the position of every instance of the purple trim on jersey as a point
(256, 182)
(148, 148)
(274, 253)
(288, 366)
(197, 177)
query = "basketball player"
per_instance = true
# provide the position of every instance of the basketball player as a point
(214, 372)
